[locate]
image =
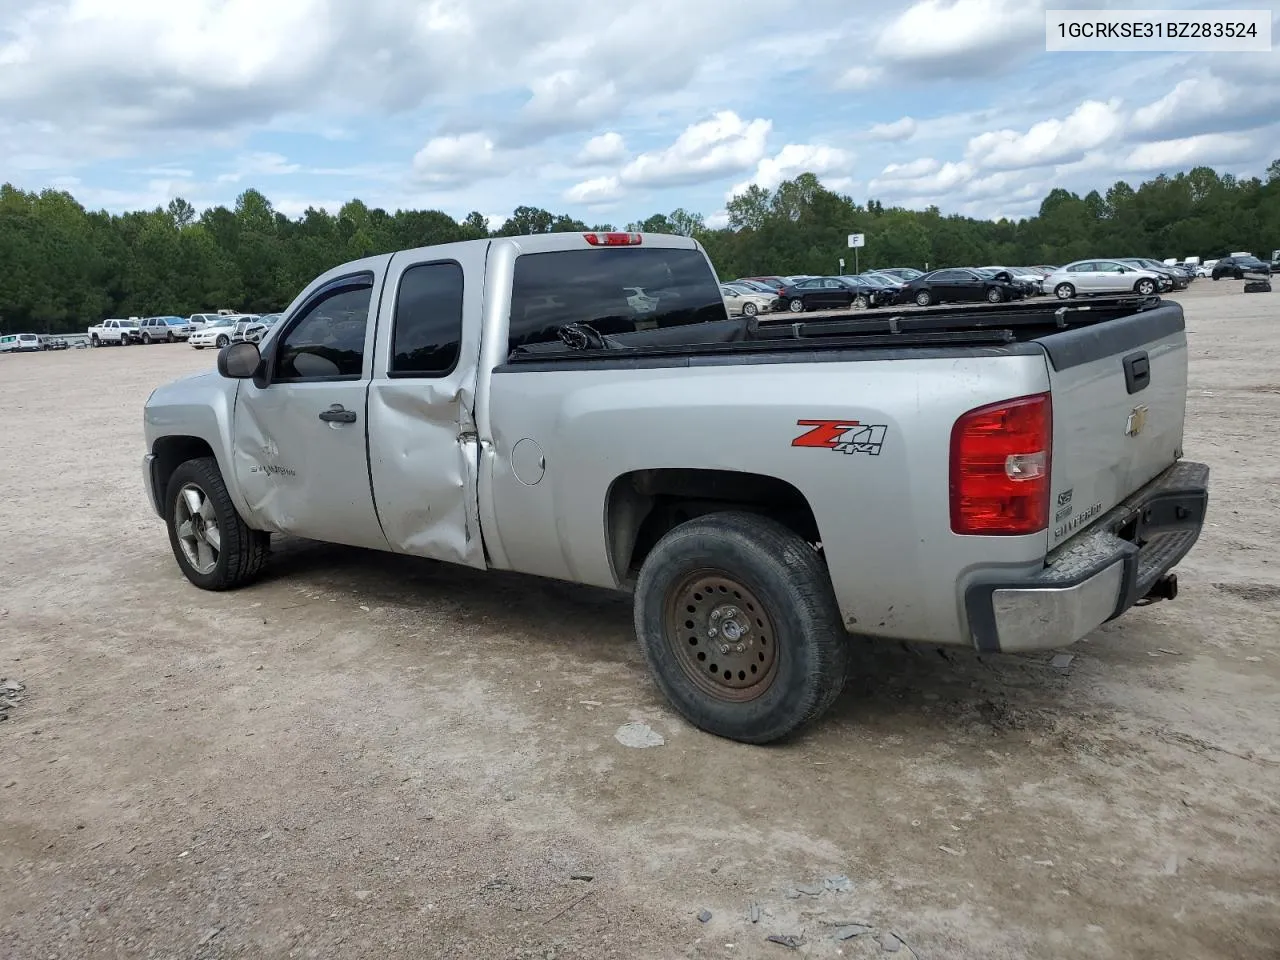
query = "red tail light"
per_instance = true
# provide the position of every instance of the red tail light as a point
(613, 239)
(1000, 459)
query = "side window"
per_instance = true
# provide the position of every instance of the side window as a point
(328, 341)
(427, 332)
(1084, 267)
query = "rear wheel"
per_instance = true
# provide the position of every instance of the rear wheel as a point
(146, 338)
(740, 627)
(924, 298)
(123, 341)
(1064, 291)
(796, 305)
(214, 547)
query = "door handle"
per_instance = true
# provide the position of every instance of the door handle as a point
(338, 414)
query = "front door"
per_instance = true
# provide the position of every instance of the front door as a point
(300, 454)
(424, 454)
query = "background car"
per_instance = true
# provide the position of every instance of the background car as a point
(20, 343)
(1028, 285)
(163, 329)
(253, 329)
(1092, 277)
(959, 285)
(820, 293)
(777, 283)
(870, 293)
(743, 301)
(1234, 268)
(905, 274)
(758, 286)
(215, 333)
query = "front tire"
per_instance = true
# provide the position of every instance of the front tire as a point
(748, 310)
(214, 547)
(740, 628)
(924, 298)
(1145, 287)
(222, 341)
(171, 337)
(860, 303)
(995, 295)
(197, 346)
(1064, 291)
(95, 342)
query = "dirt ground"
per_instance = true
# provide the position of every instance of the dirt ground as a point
(369, 757)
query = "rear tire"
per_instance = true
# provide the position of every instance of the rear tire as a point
(240, 552)
(1064, 291)
(197, 346)
(146, 339)
(796, 305)
(924, 298)
(788, 652)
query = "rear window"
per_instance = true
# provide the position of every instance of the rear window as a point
(612, 290)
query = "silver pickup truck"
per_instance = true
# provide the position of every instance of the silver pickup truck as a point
(1003, 477)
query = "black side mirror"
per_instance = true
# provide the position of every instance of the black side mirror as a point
(239, 361)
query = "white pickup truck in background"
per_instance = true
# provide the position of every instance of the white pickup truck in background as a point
(1005, 478)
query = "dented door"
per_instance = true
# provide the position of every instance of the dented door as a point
(423, 453)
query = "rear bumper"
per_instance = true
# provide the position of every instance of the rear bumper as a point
(1098, 575)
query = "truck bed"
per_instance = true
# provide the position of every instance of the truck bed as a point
(981, 325)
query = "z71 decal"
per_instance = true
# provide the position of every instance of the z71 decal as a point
(842, 436)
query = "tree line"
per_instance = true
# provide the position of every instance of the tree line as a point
(63, 267)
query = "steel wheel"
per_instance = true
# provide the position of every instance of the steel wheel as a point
(196, 524)
(722, 636)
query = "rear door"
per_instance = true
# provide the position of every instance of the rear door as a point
(424, 452)
(1119, 401)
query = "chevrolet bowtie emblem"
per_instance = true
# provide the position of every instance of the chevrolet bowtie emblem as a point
(1137, 420)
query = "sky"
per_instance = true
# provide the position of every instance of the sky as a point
(606, 111)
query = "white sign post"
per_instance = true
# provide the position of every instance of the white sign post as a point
(856, 240)
(842, 265)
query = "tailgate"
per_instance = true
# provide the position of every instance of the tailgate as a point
(1119, 401)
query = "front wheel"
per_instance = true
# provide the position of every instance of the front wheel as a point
(214, 547)
(924, 298)
(1145, 287)
(197, 346)
(750, 309)
(860, 302)
(796, 305)
(1064, 291)
(740, 627)
(171, 337)
(995, 295)
(222, 341)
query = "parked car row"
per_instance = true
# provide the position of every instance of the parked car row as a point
(200, 329)
(891, 286)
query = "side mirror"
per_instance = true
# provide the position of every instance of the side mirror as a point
(239, 361)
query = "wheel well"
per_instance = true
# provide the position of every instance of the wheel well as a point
(171, 453)
(644, 504)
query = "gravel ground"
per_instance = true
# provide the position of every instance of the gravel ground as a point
(365, 756)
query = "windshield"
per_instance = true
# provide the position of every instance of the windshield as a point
(174, 321)
(222, 322)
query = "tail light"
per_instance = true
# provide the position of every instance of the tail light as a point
(613, 239)
(1000, 459)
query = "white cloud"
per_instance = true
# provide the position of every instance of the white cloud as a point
(1188, 151)
(594, 191)
(795, 159)
(259, 165)
(717, 220)
(962, 36)
(944, 179)
(725, 144)
(911, 170)
(606, 148)
(859, 77)
(903, 129)
(1090, 125)
(458, 159)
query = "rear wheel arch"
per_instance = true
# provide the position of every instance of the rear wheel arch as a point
(644, 505)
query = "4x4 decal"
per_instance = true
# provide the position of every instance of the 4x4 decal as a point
(842, 436)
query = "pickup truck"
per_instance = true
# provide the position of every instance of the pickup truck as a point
(120, 332)
(1000, 477)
